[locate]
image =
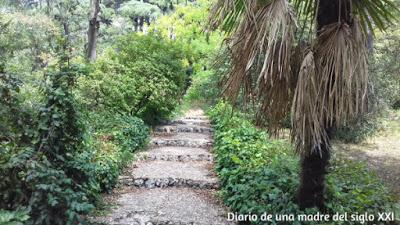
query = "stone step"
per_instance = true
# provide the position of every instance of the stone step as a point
(179, 142)
(152, 174)
(195, 118)
(184, 136)
(189, 122)
(182, 129)
(150, 183)
(171, 206)
(182, 154)
(196, 140)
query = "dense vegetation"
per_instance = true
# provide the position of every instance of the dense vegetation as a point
(54, 161)
(70, 123)
(145, 77)
(260, 175)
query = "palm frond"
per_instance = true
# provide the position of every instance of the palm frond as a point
(342, 64)
(332, 85)
(307, 125)
(266, 32)
(306, 12)
(227, 14)
(375, 13)
(329, 81)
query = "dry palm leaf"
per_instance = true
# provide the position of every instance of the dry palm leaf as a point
(266, 30)
(331, 87)
(307, 129)
(343, 70)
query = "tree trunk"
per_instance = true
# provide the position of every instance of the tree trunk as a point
(94, 25)
(314, 165)
(312, 176)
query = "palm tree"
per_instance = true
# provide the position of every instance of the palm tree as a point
(306, 58)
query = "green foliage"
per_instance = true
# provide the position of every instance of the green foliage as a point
(135, 8)
(54, 178)
(62, 179)
(59, 178)
(206, 84)
(200, 89)
(353, 188)
(115, 139)
(132, 134)
(144, 78)
(359, 129)
(261, 175)
(186, 25)
(17, 127)
(386, 67)
(56, 198)
(17, 217)
(109, 161)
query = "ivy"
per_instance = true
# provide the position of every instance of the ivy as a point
(260, 175)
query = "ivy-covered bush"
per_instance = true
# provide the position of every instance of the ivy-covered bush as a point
(260, 175)
(54, 163)
(49, 170)
(141, 75)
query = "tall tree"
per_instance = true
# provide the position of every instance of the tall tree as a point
(94, 25)
(315, 72)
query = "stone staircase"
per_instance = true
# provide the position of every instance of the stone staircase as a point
(172, 183)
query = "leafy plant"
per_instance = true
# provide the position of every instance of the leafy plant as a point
(61, 179)
(359, 129)
(144, 77)
(115, 139)
(261, 175)
(17, 217)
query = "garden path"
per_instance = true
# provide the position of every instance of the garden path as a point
(172, 183)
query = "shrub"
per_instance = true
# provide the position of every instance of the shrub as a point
(359, 129)
(204, 87)
(49, 170)
(141, 75)
(61, 179)
(130, 133)
(261, 175)
(115, 139)
(385, 67)
(206, 84)
(18, 124)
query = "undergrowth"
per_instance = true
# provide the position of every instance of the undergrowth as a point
(260, 175)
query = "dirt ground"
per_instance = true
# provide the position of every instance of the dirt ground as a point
(381, 152)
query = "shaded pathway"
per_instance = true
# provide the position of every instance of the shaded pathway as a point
(172, 183)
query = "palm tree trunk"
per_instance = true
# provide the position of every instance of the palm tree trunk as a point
(312, 176)
(314, 165)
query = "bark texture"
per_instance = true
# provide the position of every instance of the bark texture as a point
(312, 177)
(94, 25)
